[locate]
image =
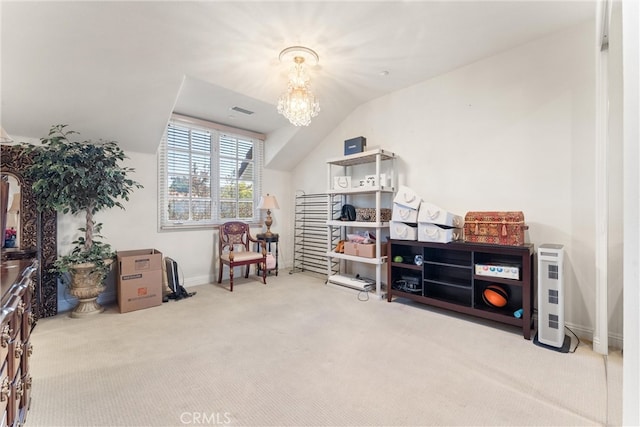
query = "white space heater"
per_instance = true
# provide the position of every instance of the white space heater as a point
(551, 298)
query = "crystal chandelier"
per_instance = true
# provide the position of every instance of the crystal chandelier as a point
(298, 103)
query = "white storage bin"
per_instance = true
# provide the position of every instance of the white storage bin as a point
(407, 197)
(341, 182)
(404, 214)
(402, 231)
(432, 214)
(436, 233)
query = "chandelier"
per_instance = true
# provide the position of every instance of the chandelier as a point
(298, 103)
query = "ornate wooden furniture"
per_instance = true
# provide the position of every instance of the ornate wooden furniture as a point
(37, 232)
(16, 322)
(234, 249)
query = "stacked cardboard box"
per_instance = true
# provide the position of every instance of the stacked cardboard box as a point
(139, 279)
(366, 250)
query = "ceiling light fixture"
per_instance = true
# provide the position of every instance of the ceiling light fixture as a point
(298, 103)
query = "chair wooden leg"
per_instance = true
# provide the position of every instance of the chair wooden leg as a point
(220, 272)
(231, 278)
(246, 272)
(264, 274)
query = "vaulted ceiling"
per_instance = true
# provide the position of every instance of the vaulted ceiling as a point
(116, 70)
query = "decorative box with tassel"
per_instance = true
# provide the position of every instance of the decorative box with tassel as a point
(499, 228)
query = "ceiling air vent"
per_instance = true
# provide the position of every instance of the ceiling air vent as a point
(242, 110)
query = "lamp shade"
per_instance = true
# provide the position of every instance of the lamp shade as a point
(268, 202)
(4, 136)
(15, 204)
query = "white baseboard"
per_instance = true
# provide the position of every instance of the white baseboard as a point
(584, 333)
(199, 280)
(66, 302)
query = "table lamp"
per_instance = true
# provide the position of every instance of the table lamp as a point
(15, 208)
(268, 202)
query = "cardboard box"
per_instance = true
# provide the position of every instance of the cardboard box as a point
(365, 250)
(138, 261)
(139, 279)
(139, 291)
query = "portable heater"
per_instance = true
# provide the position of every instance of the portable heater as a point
(551, 299)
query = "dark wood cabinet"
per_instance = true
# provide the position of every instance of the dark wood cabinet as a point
(454, 276)
(16, 323)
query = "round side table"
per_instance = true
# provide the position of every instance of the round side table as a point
(271, 239)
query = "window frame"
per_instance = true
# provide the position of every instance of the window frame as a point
(217, 131)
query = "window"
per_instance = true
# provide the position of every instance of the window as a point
(209, 174)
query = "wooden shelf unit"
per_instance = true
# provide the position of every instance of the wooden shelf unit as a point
(448, 280)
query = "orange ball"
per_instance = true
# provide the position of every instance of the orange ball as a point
(495, 296)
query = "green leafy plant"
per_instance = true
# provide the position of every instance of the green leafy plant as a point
(100, 254)
(80, 177)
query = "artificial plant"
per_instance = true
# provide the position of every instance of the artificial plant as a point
(80, 177)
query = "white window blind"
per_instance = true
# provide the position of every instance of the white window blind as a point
(208, 174)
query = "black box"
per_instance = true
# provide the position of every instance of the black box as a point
(355, 145)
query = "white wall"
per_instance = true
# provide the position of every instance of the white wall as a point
(137, 226)
(512, 132)
(616, 229)
(631, 102)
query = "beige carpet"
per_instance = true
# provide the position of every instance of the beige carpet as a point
(298, 352)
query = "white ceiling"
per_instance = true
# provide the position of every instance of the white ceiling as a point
(116, 70)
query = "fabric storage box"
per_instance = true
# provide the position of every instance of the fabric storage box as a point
(437, 233)
(402, 231)
(369, 214)
(407, 197)
(404, 214)
(432, 214)
(365, 250)
(500, 228)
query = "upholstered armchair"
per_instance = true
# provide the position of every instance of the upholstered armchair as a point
(235, 250)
